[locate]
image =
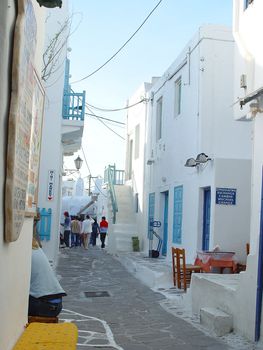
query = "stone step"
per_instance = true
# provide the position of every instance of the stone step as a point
(217, 321)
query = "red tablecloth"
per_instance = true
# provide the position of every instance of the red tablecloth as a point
(208, 260)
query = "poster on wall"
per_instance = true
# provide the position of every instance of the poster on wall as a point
(20, 120)
(35, 145)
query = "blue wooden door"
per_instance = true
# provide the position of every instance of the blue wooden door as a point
(178, 214)
(165, 223)
(151, 213)
(206, 219)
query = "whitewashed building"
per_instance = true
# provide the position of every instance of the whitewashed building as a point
(15, 257)
(62, 128)
(248, 109)
(189, 114)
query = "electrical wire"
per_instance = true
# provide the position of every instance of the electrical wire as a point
(90, 172)
(109, 123)
(116, 53)
(118, 109)
(105, 124)
(110, 120)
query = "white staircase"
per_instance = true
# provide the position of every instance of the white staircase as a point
(121, 233)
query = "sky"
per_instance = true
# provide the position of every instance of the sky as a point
(99, 29)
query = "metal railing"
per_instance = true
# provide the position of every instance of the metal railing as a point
(113, 177)
(114, 204)
(74, 105)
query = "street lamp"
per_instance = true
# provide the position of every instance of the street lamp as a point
(78, 163)
(50, 3)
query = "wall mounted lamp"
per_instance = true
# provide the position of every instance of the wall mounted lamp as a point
(190, 162)
(50, 3)
(201, 158)
(78, 163)
(150, 161)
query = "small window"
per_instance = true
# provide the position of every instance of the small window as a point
(178, 94)
(136, 203)
(137, 142)
(159, 112)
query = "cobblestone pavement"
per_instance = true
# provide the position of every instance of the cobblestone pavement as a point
(123, 313)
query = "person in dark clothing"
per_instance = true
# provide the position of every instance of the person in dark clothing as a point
(67, 228)
(95, 232)
(103, 230)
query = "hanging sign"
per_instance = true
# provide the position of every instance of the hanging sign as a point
(226, 196)
(50, 186)
(20, 120)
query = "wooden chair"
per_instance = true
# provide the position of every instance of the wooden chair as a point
(247, 248)
(181, 271)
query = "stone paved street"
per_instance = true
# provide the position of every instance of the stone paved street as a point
(126, 314)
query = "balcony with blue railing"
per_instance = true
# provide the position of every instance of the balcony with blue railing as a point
(73, 113)
(74, 105)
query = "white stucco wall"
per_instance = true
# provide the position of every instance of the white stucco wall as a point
(15, 257)
(136, 116)
(247, 29)
(51, 148)
(205, 124)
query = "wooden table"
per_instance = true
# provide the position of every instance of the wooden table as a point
(209, 260)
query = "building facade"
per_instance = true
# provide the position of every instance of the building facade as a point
(63, 128)
(193, 154)
(15, 257)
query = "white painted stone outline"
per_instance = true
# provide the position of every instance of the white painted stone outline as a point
(90, 335)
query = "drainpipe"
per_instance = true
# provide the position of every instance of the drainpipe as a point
(259, 275)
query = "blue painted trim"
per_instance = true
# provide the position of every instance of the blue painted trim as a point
(178, 214)
(44, 225)
(74, 103)
(206, 219)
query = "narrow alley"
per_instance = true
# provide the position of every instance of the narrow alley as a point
(113, 310)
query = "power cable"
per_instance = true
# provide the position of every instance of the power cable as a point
(116, 53)
(118, 109)
(109, 123)
(110, 120)
(106, 124)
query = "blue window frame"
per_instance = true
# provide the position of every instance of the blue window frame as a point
(178, 214)
(151, 212)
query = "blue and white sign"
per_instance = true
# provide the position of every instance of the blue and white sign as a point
(156, 223)
(226, 196)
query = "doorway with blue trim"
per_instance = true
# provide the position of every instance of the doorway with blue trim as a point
(165, 196)
(206, 218)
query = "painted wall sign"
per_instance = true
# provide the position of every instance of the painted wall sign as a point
(226, 196)
(51, 184)
(20, 120)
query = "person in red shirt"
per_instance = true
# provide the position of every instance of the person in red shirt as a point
(103, 231)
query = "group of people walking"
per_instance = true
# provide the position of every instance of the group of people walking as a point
(77, 232)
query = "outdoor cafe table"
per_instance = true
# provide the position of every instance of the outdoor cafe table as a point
(209, 260)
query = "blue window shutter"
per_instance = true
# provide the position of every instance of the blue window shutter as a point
(178, 214)
(151, 211)
(44, 227)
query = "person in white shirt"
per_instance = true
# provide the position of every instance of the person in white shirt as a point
(45, 296)
(86, 230)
